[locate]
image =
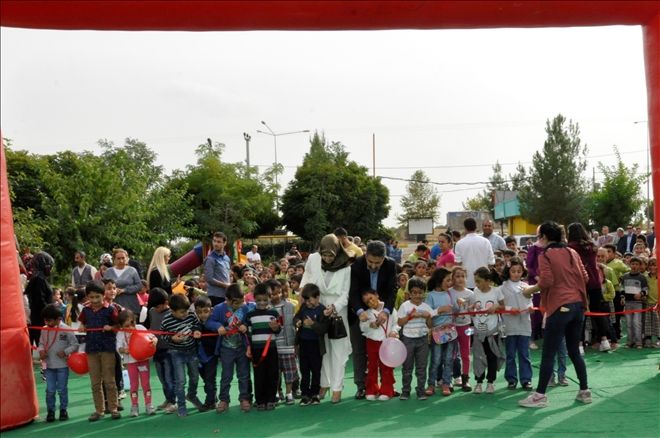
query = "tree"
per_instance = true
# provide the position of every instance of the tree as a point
(226, 197)
(330, 191)
(556, 186)
(421, 199)
(619, 198)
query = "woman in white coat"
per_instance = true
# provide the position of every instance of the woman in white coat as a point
(329, 269)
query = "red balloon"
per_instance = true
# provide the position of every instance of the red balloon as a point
(141, 346)
(78, 363)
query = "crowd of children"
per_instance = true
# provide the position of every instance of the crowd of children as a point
(268, 334)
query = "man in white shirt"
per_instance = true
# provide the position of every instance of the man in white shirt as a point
(473, 251)
(253, 256)
(496, 241)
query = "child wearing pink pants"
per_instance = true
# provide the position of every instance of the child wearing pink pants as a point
(138, 371)
(463, 326)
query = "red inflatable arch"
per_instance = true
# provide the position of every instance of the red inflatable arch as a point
(18, 403)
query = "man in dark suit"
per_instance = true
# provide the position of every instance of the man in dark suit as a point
(373, 271)
(627, 242)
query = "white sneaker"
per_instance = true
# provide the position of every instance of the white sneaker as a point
(534, 400)
(604, 345)
(490, 388)
(383, 397)
(122, 395)
(458, 381)
(478, 388)
(583, 396)
(170, 408)
(370, 397)
(150, 410)
(135, 411)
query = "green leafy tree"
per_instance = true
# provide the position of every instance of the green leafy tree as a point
(556, 189)
(421, 199)
(329, 191)
(619, 198)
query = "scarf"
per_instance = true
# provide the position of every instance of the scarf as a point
(330, 244)
(42, 263)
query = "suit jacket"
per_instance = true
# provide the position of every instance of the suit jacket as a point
(361, 281)
(621, 244)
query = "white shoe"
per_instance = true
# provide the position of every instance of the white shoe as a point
(478, 388)
(458, 381)
(534, 400)
(370, 397)
(135, 411)
(490, 388)
(170, 408)
(583, 396)
(604, 345)
(383, 397)
(122, 395)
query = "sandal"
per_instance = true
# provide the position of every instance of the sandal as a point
(336, 397)
(95, 417)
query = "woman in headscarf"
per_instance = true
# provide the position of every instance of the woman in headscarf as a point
(39, 291)
(329, 269)
(159, 271)
(126, 279)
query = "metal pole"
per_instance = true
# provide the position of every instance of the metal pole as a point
(247, 138)
(277, 187)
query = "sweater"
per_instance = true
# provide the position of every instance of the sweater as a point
(317, 331)
(588, 256)
(258, 321)
(520, 324)
(286, 338)
(52, 342)
(562, 279)
(185, 326)
(224, 316)
(129, 281)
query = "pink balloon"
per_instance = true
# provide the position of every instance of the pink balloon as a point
(392, 352)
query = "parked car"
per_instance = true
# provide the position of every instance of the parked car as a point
(521, 239)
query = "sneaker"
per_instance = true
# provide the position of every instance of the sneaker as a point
(316, 400)
(657, 344)
(604, 345)
(581, 348)
(445, 390)
(122, 395)
(404, 395)
(478, 388)
(246, 405)
(222, 407)
(563, 381)
(116, 415)
(150, 410)
(458, 381)
(527, 386)
(64, 415)
(95, 417)
(297, 394)
(261, 407)
(639, 346)
(170, 408)
(490, 388)
(466, 387)
(305, 401)
(511, 385)
(584, 396)
(534, 400)
(50, 417)
(135, 411)
(370, 397)
(270, 406)
(430, 390)
(359, 395)
(553, 382)
(533, 346)
(383, 397)
(182, 412)
(422, 396)
(289, 400)
(163, 405)
(196, 402)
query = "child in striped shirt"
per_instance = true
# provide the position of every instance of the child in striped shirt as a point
(183, 350)
(263, 325)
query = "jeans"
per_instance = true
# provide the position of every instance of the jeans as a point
(417, 357)
(563, 323)
(180, 361)
(634, 322)
(517, 345)
(163, 364)
(230, 357)
(57, 380)
(562, 354)
(209, 371)
(442, 362)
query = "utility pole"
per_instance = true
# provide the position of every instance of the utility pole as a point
(247, 138)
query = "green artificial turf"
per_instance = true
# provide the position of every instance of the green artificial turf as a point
(626, 402)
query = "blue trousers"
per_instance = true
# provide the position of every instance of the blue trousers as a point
(163, 364)
(517, 345)
(209, 372)
(57, 380)
(442, 362)
(182, 360)
(230, 357)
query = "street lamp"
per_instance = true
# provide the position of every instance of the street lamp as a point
(247, 138)
(648, 174)
(275, 135)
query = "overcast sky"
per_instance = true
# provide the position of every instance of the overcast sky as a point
(451, 102)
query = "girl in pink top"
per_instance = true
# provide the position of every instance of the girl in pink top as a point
(447, 259)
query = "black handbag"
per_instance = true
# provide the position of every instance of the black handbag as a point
(336, 327)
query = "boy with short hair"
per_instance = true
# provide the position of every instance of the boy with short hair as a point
(159, 308)
(635, 289)
(312, 326)
(285, 339)
(54, 348)
(227, 320)
(183, 351)
(100, 348)
(207, 358)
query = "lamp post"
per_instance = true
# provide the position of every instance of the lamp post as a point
(648, 174)
(275, 135)
(247, 138)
